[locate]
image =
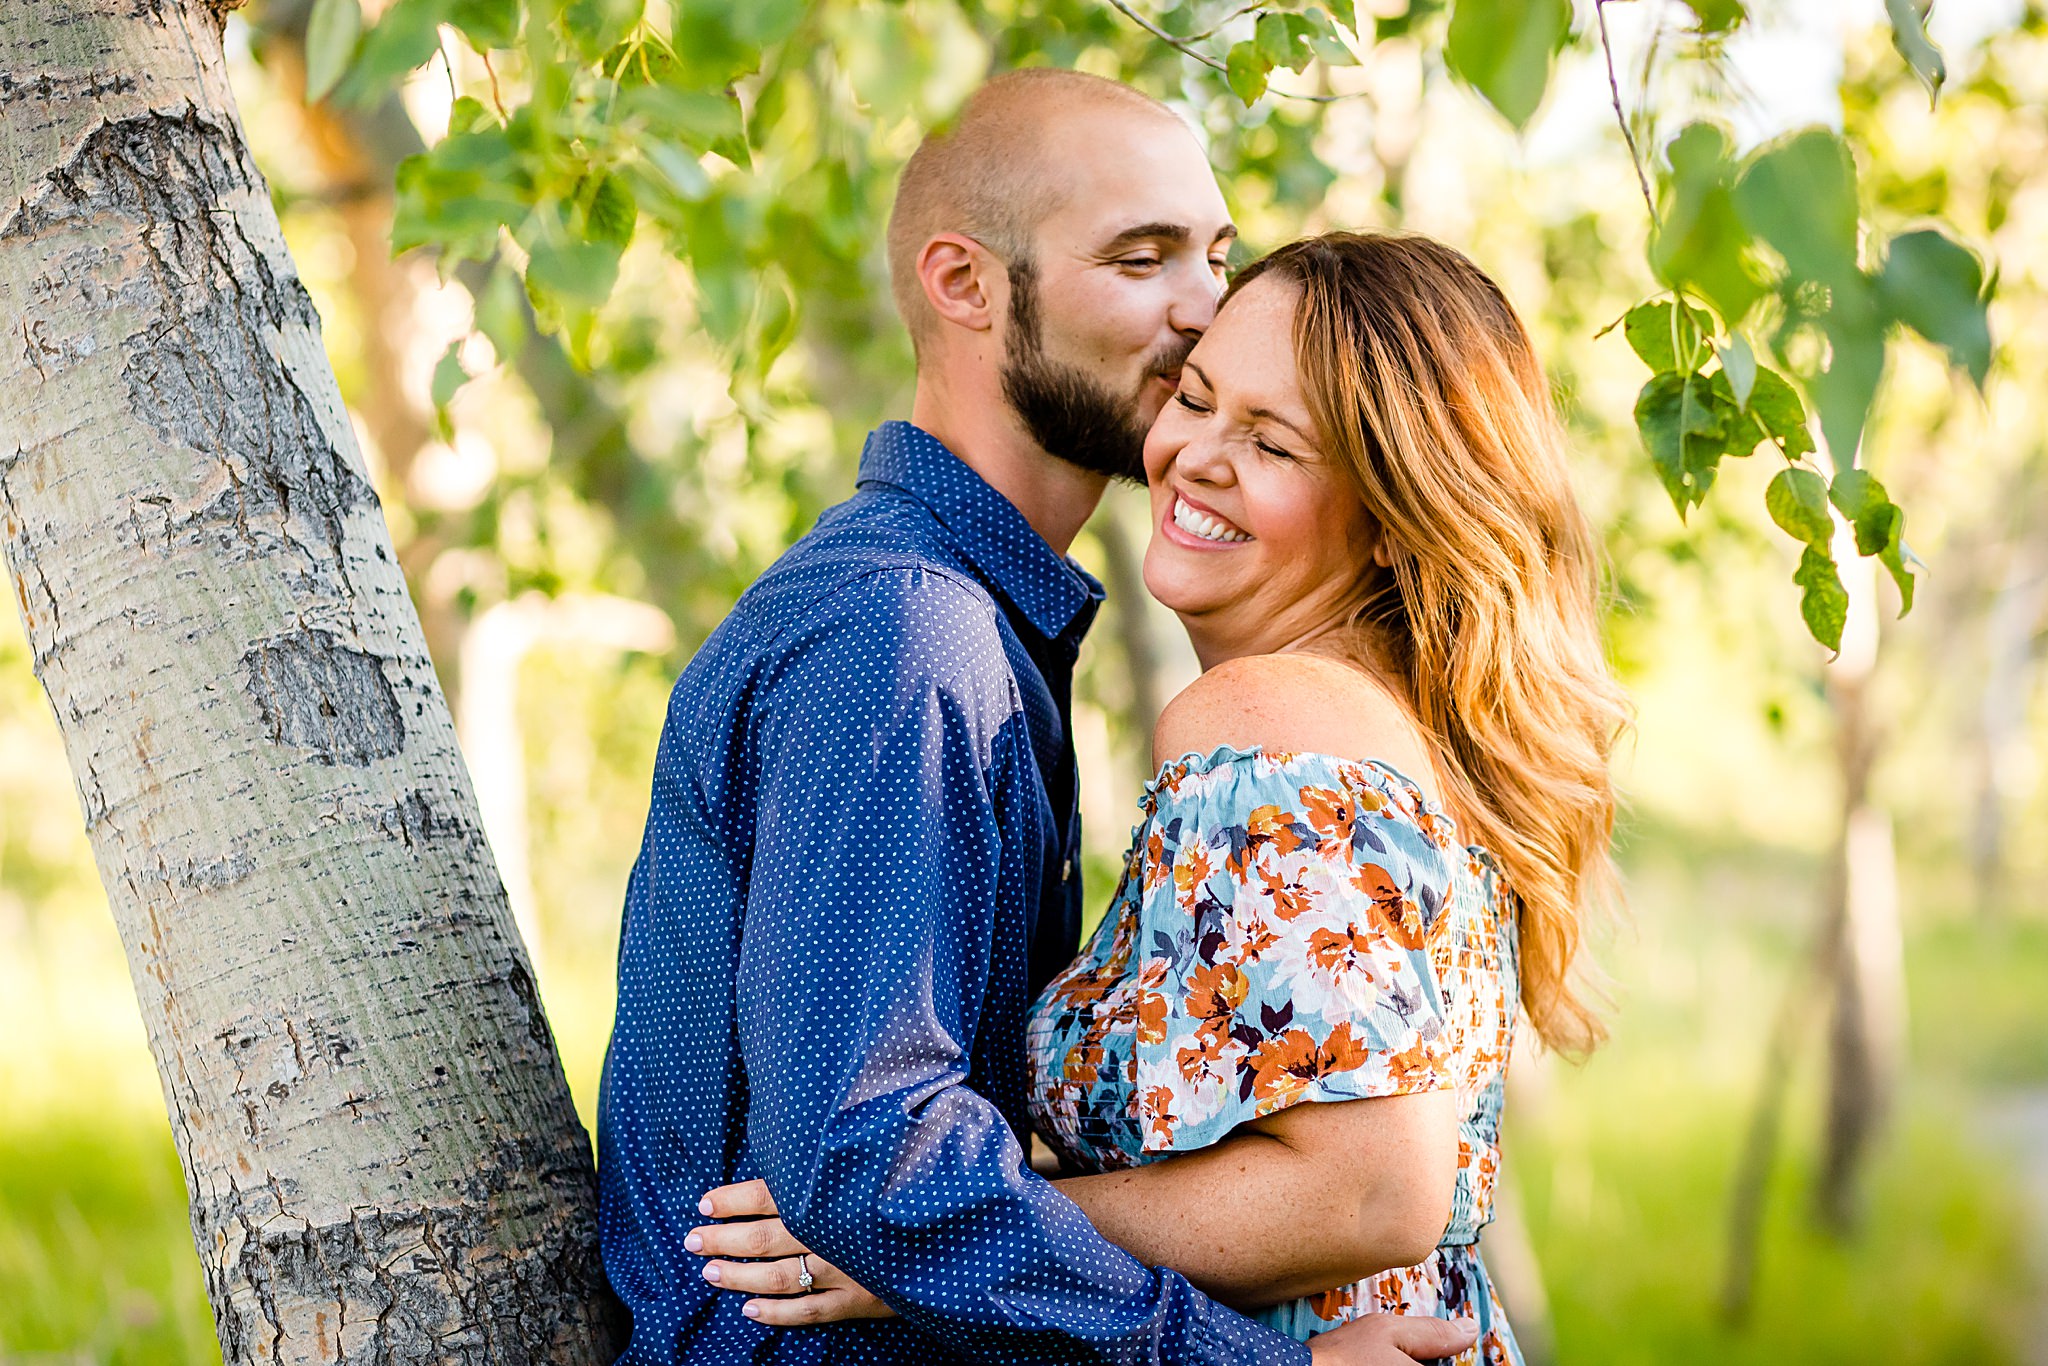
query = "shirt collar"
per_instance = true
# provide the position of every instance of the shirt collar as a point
(1055, 594)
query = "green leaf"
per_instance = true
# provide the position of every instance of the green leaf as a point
(1504, 48)
(1854, 327)
(1246, 68)
(699, 119)
(1909, 36)
(1663, 341)
(1702, 244)
(467, 114)
(1825, 603)
(1797, 500)
(709, 51)
(1344, 12)
(1776, 408)
(767, 22)
(331, 32)
(575, 274)
(501, 315)
(611, 213)
(1738, 362)
(1879, 524)
(1799, 195)
(457, 195)
(406, 35)
(1683, 425)
(597, 26)
(487, 24)
(449, 375)
(1936, 287)
(675, 172)
(1717, 16)
(1284, 40)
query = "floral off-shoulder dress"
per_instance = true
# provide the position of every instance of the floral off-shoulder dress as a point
(1289, 928)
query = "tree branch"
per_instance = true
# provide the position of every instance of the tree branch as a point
(1628, 136)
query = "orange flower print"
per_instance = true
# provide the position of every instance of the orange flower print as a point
(1151, 1017)
(1394, 912)
(1335, 1304)
(1330, 813)
(1258, 937)
(1214, 994)
(1283, 1067)
(1419, 1067)
(1276, 826)
(1159, 1101)
(1340, 951)
(1290, 899)
(1200, 1062)
(1152, 1007)
(1190, 872)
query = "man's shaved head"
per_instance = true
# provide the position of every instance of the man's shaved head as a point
(988, 176)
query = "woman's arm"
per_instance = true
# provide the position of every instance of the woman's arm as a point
(1304, 1200)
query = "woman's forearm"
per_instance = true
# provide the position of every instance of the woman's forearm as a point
(1340, 1192)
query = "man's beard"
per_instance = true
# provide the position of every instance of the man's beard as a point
(1065, 409)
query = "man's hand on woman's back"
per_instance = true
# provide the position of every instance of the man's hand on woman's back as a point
(758, 1256)
(1392, 1340)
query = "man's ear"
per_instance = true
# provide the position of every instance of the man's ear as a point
(963, 281)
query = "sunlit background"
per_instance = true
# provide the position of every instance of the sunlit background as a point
(564, 575)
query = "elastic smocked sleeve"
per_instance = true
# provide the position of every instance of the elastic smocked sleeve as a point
(1293, 906)
(872, 928)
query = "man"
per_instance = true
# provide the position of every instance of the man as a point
(860, 859)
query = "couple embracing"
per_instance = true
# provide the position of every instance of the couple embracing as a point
(849, 989)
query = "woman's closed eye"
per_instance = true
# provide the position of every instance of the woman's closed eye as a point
(1189, 402)
(1268, 448)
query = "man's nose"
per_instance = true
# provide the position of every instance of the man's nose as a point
(1194, 302)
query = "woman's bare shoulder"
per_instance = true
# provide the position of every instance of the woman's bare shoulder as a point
(1291, 703)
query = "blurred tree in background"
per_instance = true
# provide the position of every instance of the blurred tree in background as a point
(650, 324)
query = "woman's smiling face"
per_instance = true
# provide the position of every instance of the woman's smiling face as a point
(1259, 539)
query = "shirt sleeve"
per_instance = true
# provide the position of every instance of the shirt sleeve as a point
(870, 931)
(1295, 908)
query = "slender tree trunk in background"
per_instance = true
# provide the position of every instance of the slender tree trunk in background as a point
(379, 1148)
(1865, 954)
(1124, 581)
(2012, 648)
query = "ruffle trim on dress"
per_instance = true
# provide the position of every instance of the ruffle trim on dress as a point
(1391, 781)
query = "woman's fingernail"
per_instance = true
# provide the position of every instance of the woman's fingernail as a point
(704, 1205)
(711, 1272)
(694, 1243)
(751, 1310)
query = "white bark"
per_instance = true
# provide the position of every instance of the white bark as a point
(381, 1154)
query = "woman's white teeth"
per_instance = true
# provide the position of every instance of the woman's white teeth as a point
(1202, 525)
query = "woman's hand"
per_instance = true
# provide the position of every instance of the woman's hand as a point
(1392, 1340)
(772, 1268)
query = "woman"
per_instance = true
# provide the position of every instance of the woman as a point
(1378, 812)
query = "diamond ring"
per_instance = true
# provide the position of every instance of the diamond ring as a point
(804, 1278)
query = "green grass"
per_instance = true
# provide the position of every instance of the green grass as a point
(96, 1259)
(1629, 1218)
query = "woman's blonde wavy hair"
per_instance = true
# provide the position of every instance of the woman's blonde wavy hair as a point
(1425, 390)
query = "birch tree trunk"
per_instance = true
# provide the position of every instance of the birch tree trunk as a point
(380, 1151)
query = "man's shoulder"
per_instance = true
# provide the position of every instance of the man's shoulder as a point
(878, 573)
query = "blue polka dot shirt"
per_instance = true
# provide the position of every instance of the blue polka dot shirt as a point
(859, 868)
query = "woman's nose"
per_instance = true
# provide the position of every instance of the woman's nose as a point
(1205, 460)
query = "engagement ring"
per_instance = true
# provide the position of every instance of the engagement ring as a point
(804, 1278)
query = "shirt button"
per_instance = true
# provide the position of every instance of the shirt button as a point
(1067, 871)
